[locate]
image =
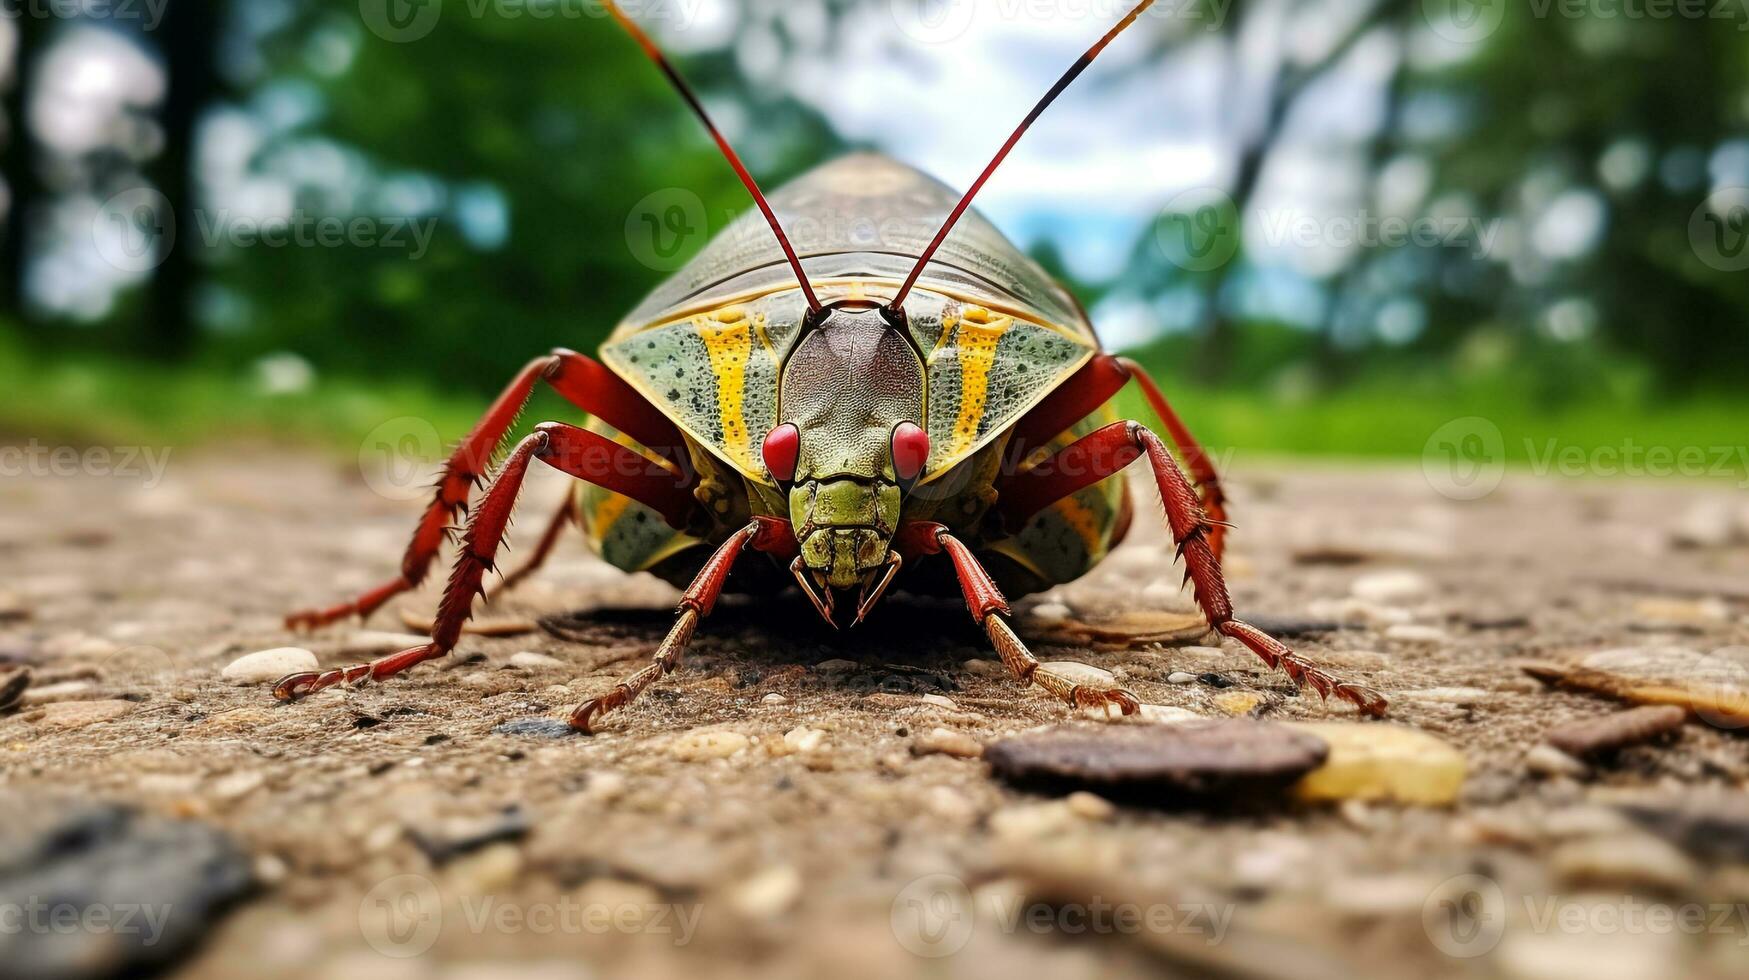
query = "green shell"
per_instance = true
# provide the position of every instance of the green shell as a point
(998, 334)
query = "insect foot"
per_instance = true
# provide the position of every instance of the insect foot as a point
(295, 687)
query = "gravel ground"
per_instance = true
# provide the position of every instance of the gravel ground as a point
(800, 804)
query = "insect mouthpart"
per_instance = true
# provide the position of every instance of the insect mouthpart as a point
(816, 586)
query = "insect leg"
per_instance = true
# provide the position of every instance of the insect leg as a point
(1092, 386)
(582, 381)
(990, 610)
(1202, 468)
(561, 519)
(695, 604)
(578, 452)
(1109, 450)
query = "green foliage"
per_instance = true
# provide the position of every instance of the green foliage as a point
(562, 119)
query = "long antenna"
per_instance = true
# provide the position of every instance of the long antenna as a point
(1069, 76)
(655, 54)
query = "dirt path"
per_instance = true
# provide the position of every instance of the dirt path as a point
(841, 836)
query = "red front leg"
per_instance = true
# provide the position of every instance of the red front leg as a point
(1075, 399)
(1067, 681)
(578, 452)
(581, 380)
(1108, 451)
(766, 534)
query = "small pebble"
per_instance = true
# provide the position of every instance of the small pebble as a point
(950, 804)
(378, 643)
(1394, 587)
(1415, 633)
(12, 608)
(488, 871)
(1546, 760)
(1031, 821)
(50, 693)
(1155, 763)
(535, 727)
(78, 714)
(530, 660)
(1383, 762)
(1051, 611)
(1162, 714)
(1624, 860)
(945, 741)
(1658, 612)
(940, 701)
(768, 894)
(238, 784)
(1238, 703)
(267, 666)
(1594, 736)
(1461, 696)
(774, 698)
(1349, 610)
(1180, 677)
(1089, 806)
(12, 687)
(836, 666)
(803, 739)
(705, 745)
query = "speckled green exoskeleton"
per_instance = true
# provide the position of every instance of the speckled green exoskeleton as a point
(839, 385)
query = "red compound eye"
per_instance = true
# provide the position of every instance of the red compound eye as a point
(782, 445)
(910, 450)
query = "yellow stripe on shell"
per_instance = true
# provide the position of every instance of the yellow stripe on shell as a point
(728, 342)
(978, 335)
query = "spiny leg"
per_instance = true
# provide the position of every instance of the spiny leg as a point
(695, 603)
(990, 610)
(1109, 450)
(580, 380)
(1089, 388)
(1202, 469)
(583, 454)
(556, 525)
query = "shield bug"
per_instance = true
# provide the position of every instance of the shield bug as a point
(858, 413)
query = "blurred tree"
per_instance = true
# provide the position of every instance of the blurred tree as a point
(1590, 143)
(188, 39)
(18, 166)
(527, 147)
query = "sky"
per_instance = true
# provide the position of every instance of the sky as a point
(941, 83)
